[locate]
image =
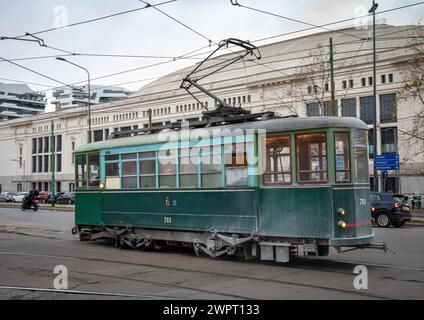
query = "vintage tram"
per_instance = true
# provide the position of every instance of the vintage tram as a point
(258, 188)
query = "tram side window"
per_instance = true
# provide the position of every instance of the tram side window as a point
(189, 166)
(235, 164)
(167, 169)
(360, 146)
(311, 158)
(112, 175)
(81, 170)
(341, 150)
(211, 168)
(129, 171)
(93, 170)
(277, 160)
(147, 170)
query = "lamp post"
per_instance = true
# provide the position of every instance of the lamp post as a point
(23, 178)
(89, 94)
(374, 82)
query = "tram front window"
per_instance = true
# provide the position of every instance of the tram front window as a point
(311, 158)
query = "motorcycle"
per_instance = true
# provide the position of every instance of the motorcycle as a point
(33, 205)
(416, 202)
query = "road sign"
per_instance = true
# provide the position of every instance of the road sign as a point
(387, 162)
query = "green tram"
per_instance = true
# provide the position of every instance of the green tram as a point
(263, 189)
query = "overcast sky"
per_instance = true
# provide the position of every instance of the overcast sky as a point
(148, 32)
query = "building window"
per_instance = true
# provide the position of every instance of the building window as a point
(370, 81)
(328, 109)
(34, 164)
(383, 78)
(40, 145)
(311, 155)
(326, 87)
(46, 163)
(389, 140)
(390, 77)
(363, 82)
(344, 84)
(46, 144)
(351, 84)
(277, 160)
(367, 104)
(388, 108)
(59, 143)
(98, 135)
(46, 187)
(58, 163)
(312, 109)
(34, 145)
(349, 107)
(40, 164)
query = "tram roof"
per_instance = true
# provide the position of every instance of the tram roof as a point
(273, 125)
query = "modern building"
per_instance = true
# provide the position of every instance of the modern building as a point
(66, 97)
(291, 78)
(18, 101)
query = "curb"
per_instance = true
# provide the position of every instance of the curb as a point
(49, 208)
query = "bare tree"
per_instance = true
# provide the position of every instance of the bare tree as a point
(315, 72)
(413, 90)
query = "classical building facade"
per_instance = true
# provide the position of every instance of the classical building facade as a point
(291, 78)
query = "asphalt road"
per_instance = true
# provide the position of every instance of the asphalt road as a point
(32, 244)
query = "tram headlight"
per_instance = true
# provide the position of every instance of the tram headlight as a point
(342, 224)
(101, 185)
(341, 212)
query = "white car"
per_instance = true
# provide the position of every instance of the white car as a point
(19, 197)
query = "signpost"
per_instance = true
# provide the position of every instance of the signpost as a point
(385, 163)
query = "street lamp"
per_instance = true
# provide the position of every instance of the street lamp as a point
(23, 165)
(89, 94)
(374, 82)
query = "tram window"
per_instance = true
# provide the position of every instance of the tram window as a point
(167, 172)
(128, 156)
(211, 174)
(311, 158)
(277, 160)
(111, 157)
(129, 174)
(112, 175)
(235, 164)
(341, 151)
(188, 169)
(147, 173)
(81, 178)
(93, 170)
(150, 154)
(361, 155)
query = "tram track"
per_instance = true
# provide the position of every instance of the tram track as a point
(216, 274)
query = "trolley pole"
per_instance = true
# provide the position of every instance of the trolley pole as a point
(52, 164)
(333, 89)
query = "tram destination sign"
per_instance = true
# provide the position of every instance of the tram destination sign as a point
(387, 162)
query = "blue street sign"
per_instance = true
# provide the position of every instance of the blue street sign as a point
(387, 162)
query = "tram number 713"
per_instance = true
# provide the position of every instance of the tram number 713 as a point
(167, 220)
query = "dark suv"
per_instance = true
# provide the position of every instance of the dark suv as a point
(388, 209)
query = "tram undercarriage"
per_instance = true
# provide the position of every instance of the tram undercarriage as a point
(212, 243)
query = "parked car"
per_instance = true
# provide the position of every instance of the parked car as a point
(19, 197)
(388, 209)
(66, 198)
(7, 196)
(44, 197)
